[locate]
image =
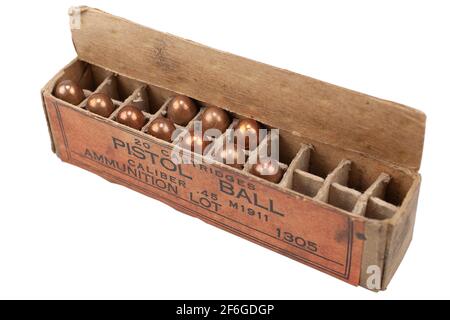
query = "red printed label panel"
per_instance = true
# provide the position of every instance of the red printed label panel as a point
(282, 221)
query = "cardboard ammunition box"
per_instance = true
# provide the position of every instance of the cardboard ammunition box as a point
(347, 202)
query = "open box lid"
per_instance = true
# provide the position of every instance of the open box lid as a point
(311, 108)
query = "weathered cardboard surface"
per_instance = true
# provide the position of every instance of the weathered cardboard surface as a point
(320, 111)
(401, 228)
(396, 149)
(312, 233)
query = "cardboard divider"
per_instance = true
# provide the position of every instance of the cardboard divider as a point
(306, 172)
(198, 116)
(339, 175)
(187, 128)
(132, 92)
(124, 103)
(122, 91)
(378, 188)
(225, 137)
(229, 136)
(335, 192)
(335, 189)
(157, 100)
(108, 87)
(151, 99)
(161, 112)
(343, 197)
(306, 183)
(252, 156)
(300, 163)
(264, 151)
(87, 94)
(261, 151)
(89, 77)
(379, 210)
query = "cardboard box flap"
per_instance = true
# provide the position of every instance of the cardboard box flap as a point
(314, 109)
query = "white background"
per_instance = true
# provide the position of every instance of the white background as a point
(66, 233)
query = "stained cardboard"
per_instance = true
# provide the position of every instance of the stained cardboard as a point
(314, 109)
(347, 203)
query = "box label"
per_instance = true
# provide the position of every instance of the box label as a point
(285, 222)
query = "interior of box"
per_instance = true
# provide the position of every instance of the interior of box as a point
(346, 180)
